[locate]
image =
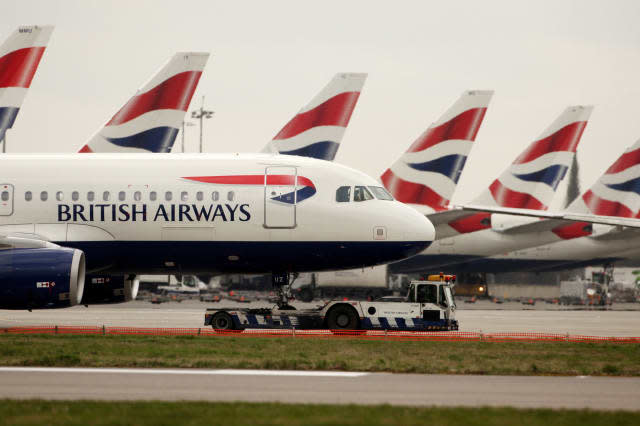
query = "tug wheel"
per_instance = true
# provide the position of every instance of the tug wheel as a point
(222, 321)
(342, 317)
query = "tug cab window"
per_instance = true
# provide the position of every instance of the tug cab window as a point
(427, 294)
(361, 193)
(381, 193)
(343, 194)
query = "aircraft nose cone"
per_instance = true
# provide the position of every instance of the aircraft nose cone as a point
(418, 232)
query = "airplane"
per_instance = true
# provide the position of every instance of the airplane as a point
(20, 56)
(529, 183)
(150, 120)
(63, 216)
(613, 202)
(318, 128)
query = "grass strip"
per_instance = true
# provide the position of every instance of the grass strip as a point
(36, 412)
(427, 357)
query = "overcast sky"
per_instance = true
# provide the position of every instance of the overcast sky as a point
(270, 58)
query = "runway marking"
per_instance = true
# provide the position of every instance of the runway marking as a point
(185, 371)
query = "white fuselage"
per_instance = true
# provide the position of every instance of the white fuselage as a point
(164, 213)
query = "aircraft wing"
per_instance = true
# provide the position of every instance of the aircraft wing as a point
(575, 217)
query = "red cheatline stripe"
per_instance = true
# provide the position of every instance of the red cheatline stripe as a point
(335, 111)
(565, 139)
(602, 207)
(626, 160)
(253, 180)
(472, 223)
(85, 149)
(573, 230)
(173, 93)
(413, 193)
(18, 67)
(506, 197)
(463, 126)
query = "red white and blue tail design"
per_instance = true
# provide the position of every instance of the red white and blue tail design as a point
(20, 56)
(531, 181)
(317, 130)
(617, 192)
(427, 174)
(150, 120)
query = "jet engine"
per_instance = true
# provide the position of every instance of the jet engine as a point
(35, 278)
(106, 289)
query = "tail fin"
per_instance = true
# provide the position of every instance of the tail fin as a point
(531, 181)
(427, 174)
(150, 120)
(20, 56)
(617, 192)
(317, 130)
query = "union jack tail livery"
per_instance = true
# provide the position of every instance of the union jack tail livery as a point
(317, 130)
(427, 174)
(150, 120)
(531, 180)
(617, 192)
(19, 59)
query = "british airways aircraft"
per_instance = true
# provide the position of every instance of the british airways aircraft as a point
(529, 183)
(150, 120)
(62, 216)
(616, 197)
(318, 128)
(20, 56)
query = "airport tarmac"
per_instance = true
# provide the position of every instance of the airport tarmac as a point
(190, 314)
(601, 393)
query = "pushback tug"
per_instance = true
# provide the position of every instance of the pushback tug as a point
(428, 306)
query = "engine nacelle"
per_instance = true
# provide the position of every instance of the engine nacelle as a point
(36, 278)
(104, 289)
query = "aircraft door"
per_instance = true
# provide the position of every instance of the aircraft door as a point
(6, 199)
(280, 197)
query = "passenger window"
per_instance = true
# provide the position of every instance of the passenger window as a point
(343, 194)
(381, 193)
(168, 195)
(91, 196)
(184, 196)
(106, 196)
(361, 193)
(153, 195)
(215, 196)
(137, 196)
(230, 195)
(5, 195)
(28, 196)
(199, 196)
(75, 195)
(44, 195)
(122, 196)
(59, 196)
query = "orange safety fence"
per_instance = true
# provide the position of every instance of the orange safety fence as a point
(294, 333)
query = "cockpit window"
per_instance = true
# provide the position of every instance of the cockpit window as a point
(343, 194)
(381, 193)
(361, 193)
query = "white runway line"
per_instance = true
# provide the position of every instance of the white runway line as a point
(288, 373)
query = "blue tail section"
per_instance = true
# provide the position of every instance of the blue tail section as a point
(159, 139)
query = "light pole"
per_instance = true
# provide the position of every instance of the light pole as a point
(201, 114)
(188, 124)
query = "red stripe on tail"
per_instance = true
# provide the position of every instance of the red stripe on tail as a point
(506, 197)
(565, 139)
(18, 67)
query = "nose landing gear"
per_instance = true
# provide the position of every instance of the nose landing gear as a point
(281, 284)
